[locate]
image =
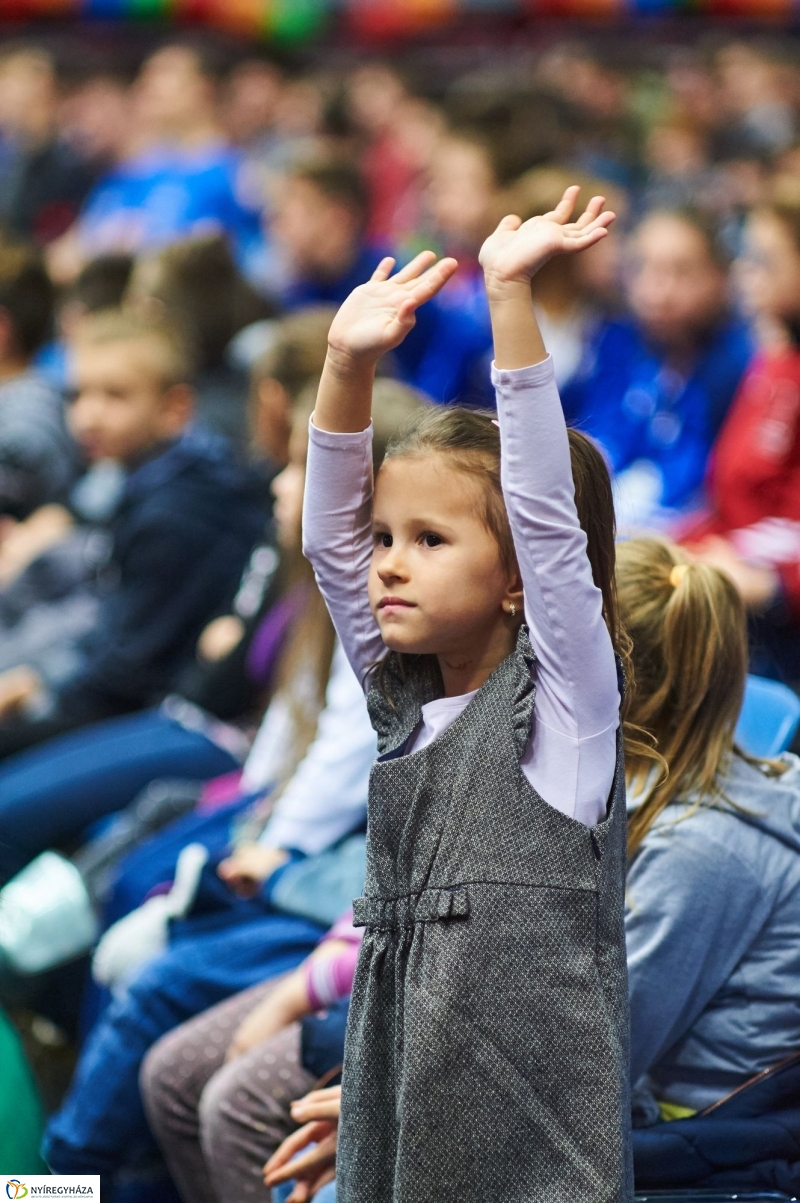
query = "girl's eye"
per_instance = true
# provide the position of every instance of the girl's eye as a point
(382, 539)
(431, 540)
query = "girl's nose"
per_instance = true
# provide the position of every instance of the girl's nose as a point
(391, 567)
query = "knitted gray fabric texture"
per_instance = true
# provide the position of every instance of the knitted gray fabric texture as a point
(487, 1046)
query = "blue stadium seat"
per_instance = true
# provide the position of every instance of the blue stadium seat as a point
(769, 719)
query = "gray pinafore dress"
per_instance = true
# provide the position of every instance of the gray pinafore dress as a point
(487, 1046)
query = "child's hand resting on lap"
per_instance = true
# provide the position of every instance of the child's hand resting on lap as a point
(249, 866)
(319, 1112)
(287, 1002)
(518, 249)
(18, 686)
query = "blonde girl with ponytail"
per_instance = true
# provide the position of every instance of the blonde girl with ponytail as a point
(713, 885)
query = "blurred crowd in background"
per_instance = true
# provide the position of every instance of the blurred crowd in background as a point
(235, 191)
(173, 243)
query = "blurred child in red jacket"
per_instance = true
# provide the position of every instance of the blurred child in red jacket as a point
(752, 528)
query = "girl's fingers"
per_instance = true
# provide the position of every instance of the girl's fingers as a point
(415, 267)
(584, 241)
(563, 210)
(321, 1155)
(300, 1194)
(325, 1178)
(511, 222)
(384, 269)
(309, 1190)
(326, 1094)
(433, 280)
(306, 1110)
(396, 330)
(298, 1140)
(592, 211)
(600, 223)
(325, 1103)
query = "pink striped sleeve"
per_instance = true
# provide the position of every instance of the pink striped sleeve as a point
(330, 978)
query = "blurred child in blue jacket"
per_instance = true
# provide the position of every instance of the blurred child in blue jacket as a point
(654, 389)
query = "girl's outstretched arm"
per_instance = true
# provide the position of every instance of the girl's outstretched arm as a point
(374, 319)
(573, 752)
(337, 513)
(512, 256)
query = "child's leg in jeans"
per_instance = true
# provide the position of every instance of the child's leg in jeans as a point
(101, 1123)
(147, 866)
(174, 1075)
(48, 795)
(245, 1116)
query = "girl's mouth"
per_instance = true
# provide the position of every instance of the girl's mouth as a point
(391, 603)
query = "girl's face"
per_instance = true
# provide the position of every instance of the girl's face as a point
(768, 270)
(287, 489)
(675, 288)
(437, 582)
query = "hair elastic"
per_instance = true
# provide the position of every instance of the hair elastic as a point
(677, 574)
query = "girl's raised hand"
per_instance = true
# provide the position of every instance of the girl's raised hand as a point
(378, 315)
(517, 249)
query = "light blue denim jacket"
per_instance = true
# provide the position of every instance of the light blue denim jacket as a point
(713, 939)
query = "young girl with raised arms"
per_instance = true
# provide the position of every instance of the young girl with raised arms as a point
(472, 588)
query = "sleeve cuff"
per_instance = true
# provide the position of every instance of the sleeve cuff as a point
(283, 833)
(336, 440)
(523, 378)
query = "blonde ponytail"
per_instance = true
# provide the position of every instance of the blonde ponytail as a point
(688, 629)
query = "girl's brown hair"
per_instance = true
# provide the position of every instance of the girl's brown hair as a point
(305, 663)
(471, 440)
(688, 630)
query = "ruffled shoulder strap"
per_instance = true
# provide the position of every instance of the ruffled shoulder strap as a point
(520, 669)
(401, 686)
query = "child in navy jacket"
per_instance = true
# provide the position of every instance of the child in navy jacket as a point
(187, 519)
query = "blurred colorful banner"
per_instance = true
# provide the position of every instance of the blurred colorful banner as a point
(279, 20)
(300, 20)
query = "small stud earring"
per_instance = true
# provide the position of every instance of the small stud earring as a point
(512, 609)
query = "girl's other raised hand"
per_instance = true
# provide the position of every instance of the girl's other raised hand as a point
(518, 249)
(378, 315)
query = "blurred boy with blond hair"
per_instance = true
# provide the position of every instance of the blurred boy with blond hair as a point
(187, 519)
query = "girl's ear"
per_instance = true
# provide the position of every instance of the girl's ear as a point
(514, 596)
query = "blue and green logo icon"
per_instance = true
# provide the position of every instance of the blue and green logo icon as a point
(16, 1189)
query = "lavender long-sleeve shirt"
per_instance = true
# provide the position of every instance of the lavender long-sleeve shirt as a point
(571, 755)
